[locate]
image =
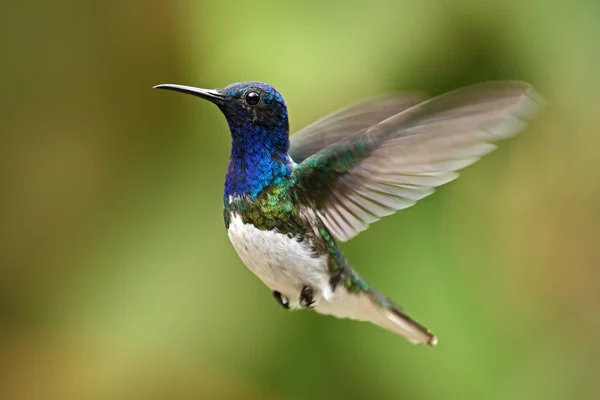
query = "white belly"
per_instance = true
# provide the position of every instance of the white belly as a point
(284, 264)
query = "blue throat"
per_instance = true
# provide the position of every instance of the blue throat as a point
(258, 159)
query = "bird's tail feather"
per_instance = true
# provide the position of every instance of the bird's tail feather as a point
(373, 307)
(394, 319)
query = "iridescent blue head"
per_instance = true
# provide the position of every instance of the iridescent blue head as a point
(258, 120)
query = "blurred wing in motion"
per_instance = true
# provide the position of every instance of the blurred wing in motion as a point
(398, 161)
(346, 122)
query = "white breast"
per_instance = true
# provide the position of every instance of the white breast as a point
(282, 263)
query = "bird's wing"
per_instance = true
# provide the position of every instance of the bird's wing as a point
(398, 161)
(347, 121)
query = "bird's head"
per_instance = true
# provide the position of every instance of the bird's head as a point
(251, 108)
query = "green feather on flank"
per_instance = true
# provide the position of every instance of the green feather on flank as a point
(338, 265)
(273, 209)
(336, 259)
(355, 284)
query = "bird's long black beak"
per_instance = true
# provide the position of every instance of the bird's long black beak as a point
(207, 94)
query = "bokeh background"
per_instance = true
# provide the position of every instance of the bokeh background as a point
(117, 279)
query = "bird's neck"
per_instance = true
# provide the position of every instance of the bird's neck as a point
(259, 158)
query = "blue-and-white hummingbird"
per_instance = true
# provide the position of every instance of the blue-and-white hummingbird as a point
(287, 198)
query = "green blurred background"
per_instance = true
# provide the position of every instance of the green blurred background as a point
(118, 281)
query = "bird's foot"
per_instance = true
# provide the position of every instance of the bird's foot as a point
(282, 300)
(307, 297)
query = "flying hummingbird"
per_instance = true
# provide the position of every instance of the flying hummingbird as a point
(287, 199)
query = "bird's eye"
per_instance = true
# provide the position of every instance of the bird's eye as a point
(252, 98)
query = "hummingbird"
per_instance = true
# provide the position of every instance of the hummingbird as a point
(288, 200)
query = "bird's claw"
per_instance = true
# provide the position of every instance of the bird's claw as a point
(307, 297)
(282, 300)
